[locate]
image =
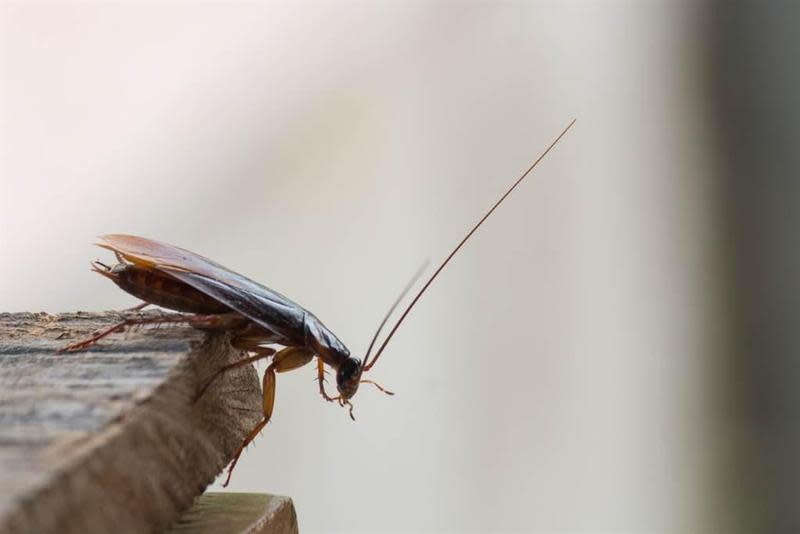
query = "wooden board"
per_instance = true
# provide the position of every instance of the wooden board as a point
(251, 513)
(111, 440)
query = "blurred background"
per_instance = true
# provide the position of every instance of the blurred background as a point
(613, 352)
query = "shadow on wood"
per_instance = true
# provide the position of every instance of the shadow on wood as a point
(110, 440)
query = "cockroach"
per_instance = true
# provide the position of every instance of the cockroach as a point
(213, 297)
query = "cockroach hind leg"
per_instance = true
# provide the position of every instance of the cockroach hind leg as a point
(89, 341)
(284, 360)
(250, 437)
(122, 325)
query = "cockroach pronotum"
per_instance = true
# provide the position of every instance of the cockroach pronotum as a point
(213, 297)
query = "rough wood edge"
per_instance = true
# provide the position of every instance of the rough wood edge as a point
(143, 469)
(250, 513)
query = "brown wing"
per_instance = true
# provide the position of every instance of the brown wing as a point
(162, 256)
(264, 306)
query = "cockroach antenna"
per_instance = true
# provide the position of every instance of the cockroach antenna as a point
(402, 295)
(368, 365)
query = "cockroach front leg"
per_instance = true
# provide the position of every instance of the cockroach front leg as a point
(321, 379)
(285, 360)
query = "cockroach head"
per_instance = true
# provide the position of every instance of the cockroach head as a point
(348, 377)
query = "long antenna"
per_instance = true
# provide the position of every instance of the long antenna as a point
(367, 367)
(400, 297)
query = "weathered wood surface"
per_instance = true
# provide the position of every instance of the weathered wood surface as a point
(235, 513)
(110, 440)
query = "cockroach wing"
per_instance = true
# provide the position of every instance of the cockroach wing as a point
(258, 303)
(154, 254)
(286, 320)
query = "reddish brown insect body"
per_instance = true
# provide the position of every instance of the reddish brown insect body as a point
(160, 289)
(214, 297)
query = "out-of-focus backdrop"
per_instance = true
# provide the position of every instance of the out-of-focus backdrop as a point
(611, 353)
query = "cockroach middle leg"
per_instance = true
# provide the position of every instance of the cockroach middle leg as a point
(284, 360)
(260, 354)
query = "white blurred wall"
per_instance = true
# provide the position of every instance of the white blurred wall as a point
(554, 379)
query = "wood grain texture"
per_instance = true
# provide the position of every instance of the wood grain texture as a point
(239, 513)
(110, 440)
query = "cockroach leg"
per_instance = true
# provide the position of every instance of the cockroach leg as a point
(284, 360)
(138, 307)
(119, 327)
(345, 402)
(261, 353)
(200, 321)
(365, 381)
(321, 379)
(250, 437)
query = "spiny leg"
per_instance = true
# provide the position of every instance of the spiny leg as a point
(250, 437)
(321, 379)
(138, 307)
(285, 360)
(268, 386)
(261, 353)
(88, 342)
